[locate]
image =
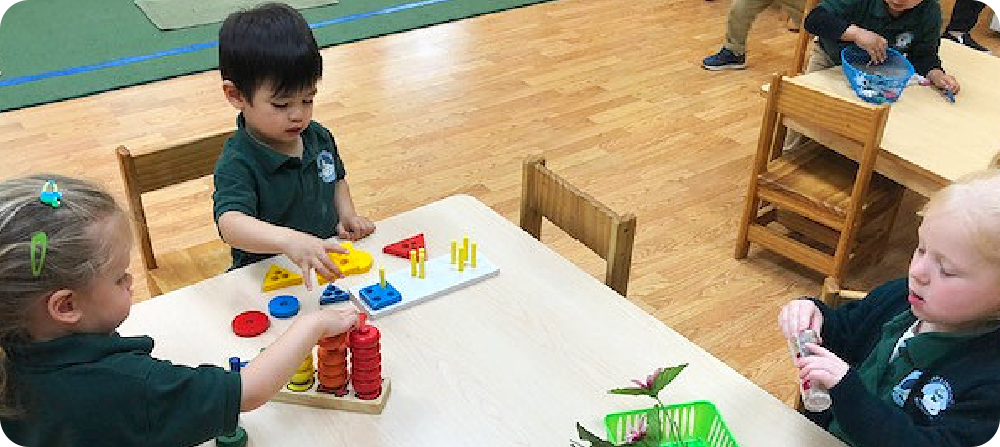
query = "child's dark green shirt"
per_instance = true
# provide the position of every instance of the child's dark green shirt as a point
(942, 390)
(291, 192)
(916, 32)
(88, 390)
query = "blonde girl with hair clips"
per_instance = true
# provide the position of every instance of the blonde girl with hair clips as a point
(67, 378)
(917, 362)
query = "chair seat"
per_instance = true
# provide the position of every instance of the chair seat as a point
(182, 268)
(819, 177)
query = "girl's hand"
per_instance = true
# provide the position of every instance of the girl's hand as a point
(337, 321)
(799, 315)
(823, 367)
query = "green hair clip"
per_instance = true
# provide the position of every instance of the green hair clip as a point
(39, 244)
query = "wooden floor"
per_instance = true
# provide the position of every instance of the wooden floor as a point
(610, 91)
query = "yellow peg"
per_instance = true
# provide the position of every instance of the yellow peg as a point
(472, 259)
(413, 263)
(465, 245)
(461, 259)
(454, 243)
(381, 277)
(423, 261)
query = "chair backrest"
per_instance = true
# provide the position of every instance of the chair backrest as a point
(802, 42)
(611, 236)
(845, 119)
(161, 167)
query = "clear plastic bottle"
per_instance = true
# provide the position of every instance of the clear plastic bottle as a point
(815, 397)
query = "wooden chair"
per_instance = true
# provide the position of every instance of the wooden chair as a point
(159, 168)
(802, 42)
(814, 193)
(833, 295)
(611, 236)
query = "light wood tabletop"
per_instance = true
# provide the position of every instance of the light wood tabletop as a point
(514, 360)
(930, 142)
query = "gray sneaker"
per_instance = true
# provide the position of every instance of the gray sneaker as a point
(725, 60)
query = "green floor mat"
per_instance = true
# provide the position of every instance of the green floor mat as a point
(57, 49)
(176, 14)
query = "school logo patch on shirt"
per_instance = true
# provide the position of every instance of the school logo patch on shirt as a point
(903, 41)
(902, 390)
(327, 168)
(937, 396)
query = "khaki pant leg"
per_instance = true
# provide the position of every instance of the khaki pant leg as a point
(742, 13)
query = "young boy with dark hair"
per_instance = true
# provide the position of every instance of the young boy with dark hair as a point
(912, 27)
(279, 183)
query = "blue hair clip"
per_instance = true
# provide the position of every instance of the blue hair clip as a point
(39, 244)
(50, 194)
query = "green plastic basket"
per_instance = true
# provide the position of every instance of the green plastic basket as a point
(698, 424)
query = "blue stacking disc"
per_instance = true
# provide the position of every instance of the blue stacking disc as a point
(283, 306)
(333, 294)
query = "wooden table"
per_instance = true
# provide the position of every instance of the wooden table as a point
(928, 141)
(514, 360)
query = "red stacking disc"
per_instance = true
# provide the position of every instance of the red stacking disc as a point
(251, 323)
(365, 354)
(363, 374)
(366, 386)
(365, 336)
(366, 364)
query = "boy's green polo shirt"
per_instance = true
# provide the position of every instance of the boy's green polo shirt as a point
(291, 192)
(87, 390)
(915, 33)
(893, 381)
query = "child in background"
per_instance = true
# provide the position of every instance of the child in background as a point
(916, 362)
(912, 27)
(279, 182)
(67, 379)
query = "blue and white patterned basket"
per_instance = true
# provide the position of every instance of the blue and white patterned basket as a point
(876, 83)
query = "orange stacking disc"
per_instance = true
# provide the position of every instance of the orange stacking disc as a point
(332, 360)
(337, 341)
(334, 380)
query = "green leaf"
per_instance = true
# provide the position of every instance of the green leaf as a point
(653, 430)
(586, 435)
(666, 376)
(632, 391)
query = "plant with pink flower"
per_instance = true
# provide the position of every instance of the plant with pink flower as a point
(646, 432)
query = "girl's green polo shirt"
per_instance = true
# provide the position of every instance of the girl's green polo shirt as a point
(893, 380)
(87, 390)
(291, 192)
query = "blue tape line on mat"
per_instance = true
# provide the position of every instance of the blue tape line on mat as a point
(200, 46)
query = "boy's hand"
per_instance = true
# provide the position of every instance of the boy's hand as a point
(354, 228)
(310, 254)
(943, 80)
(823, 367)
(799, 315)
(876, 45)
(337, 321)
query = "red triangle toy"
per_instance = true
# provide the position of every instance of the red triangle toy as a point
(403, 247)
